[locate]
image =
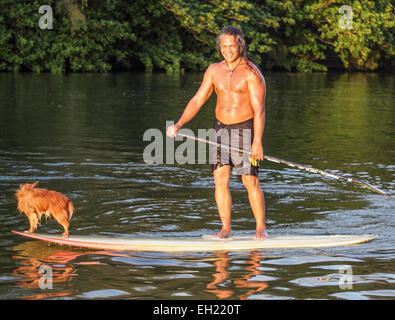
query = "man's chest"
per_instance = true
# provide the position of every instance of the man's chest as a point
(225, 81)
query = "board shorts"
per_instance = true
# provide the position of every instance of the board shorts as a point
(239, 136)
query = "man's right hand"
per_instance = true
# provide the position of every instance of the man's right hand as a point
(172, 131)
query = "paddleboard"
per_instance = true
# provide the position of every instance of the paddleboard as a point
(199, 244)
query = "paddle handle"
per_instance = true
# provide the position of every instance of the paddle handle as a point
(293, 164)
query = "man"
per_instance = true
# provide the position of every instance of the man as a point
(240, 89)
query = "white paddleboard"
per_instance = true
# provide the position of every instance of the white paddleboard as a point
(199, 244)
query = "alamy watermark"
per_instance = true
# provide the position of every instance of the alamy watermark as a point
(345, 21)
(46, 280)
(346, 280)
(223, 144)
(45, 21)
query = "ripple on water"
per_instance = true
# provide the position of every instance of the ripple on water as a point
(104, 293)
(365, 295)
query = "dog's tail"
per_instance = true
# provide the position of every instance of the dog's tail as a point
(70, 209)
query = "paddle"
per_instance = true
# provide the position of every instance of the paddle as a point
(292, 164)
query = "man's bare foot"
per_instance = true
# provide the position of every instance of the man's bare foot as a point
(222, 234)
(260, 235)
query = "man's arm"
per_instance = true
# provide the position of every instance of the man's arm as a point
(257, 91)
(194, 105)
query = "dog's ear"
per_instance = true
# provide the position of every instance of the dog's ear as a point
(34, 184)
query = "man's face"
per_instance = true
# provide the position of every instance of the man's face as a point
(229, 47)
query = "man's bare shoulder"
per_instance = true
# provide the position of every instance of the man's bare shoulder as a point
(212, 70)
(254, 73)
(214, 66)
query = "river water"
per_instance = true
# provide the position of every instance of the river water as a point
(82, 135)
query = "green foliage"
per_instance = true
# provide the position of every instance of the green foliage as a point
(84, 37)
(368, 45)
(178, 35)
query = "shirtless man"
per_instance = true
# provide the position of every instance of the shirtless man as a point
(240, 89)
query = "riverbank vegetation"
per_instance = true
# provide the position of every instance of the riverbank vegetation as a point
(177, 35)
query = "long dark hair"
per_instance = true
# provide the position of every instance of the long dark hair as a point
(239, 37)
(240, 40)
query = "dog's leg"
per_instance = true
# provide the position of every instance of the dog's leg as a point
(64, 222)
(66, 229)
(32, 221)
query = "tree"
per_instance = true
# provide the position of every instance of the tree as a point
(178, 35)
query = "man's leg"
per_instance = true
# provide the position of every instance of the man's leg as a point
(223, 199)
(257, 202)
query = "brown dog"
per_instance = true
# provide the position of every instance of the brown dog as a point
(34, 202)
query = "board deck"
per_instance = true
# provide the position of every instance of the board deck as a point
(199, 244)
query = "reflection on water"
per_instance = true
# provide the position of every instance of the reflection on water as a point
(63, 264)
(82, 135)
(254, 281)
(223, 275)
(247, 281)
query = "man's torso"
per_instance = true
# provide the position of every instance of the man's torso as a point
(233, 98)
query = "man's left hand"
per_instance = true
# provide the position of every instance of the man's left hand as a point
(257, 151)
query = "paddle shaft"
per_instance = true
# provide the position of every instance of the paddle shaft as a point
(292, 164)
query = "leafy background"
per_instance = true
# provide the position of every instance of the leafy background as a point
(177, 36)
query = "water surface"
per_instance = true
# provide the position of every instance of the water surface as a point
(82, 135)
